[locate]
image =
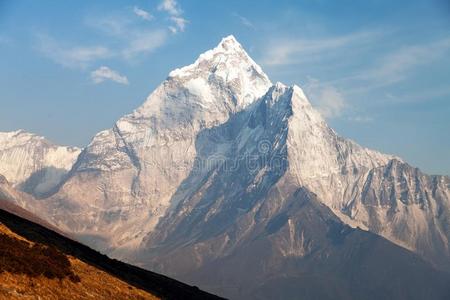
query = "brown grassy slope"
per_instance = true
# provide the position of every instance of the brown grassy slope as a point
(30, 269)
(36, 261)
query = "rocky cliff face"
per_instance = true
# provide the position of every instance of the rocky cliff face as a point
(406, 206)
(282, 249)
(224, 206)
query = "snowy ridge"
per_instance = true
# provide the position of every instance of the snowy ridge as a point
(32, 163)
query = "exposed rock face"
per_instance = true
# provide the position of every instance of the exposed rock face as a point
(239, 215)
(406, 206)
(301, 248)
(125, 178)
(33, 164)
(220, 169)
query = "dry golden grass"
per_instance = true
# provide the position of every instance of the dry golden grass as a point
(33, 271)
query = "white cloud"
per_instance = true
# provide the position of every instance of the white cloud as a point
(141, 42)
(112, 25)
(418, 96)
(326, 98)
(395, 66)
(131, 38)
(71, 56)
(246, 22)
(383, 69)
(142, 13)
(294, 51)
(104, 73)
(173, 29)
(180, 24)
(171, 7)
(124, 37)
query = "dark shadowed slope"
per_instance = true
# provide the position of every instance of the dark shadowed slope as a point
(304, 251)
(36, 261)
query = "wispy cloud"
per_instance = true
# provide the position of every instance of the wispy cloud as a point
(71, 56)
(246, 22)
(142, 13)
(331, 102)
(418, 96)
(175, 15)
(142, 42)
(132, 40)
(328, 100)
(400, 64)
(122, 35)
(171, 7)
(293, 51)
(180, 24)
(104, 73)
(389, 64)
(392, 66)
(112, 25)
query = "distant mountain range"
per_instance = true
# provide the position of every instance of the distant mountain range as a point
(237, 185)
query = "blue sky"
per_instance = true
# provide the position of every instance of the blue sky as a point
(378, 70)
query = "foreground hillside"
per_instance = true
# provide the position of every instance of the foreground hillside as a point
(37, 262)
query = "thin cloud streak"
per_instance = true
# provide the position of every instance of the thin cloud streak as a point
(397, 66)
(420, 96)
(393, 67)
(296, 51)
(71, 56)
(142, 13)
(388, 67)
(133, 39)
(244, 21)
(104, 73)
(127, 38)
(143, 42)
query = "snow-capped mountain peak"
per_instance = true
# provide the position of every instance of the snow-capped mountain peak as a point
(221, 82)
(146, 155)
(227, 64)
(228, 49)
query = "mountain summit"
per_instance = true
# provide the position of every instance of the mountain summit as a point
(128, 174)
(239, 186)
(229, 64)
